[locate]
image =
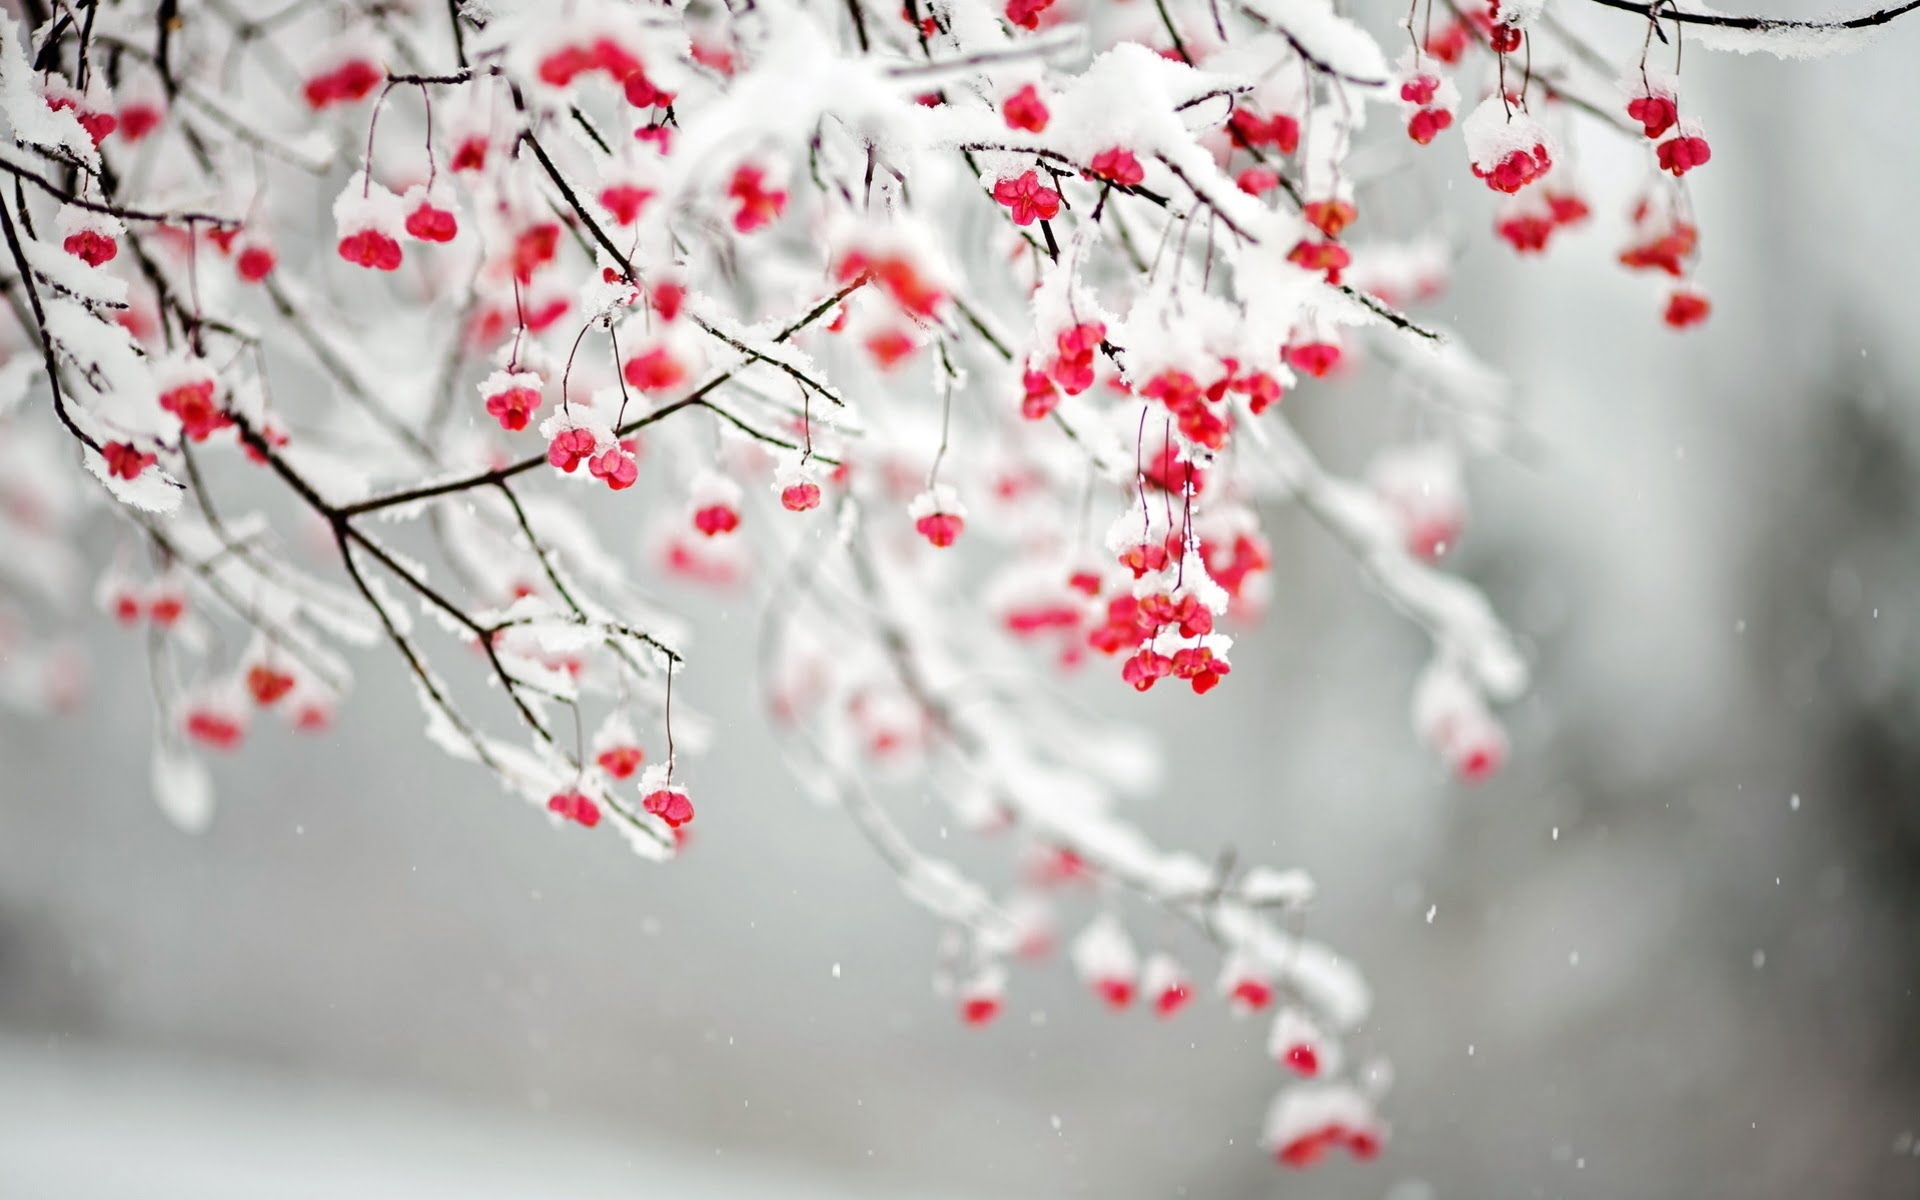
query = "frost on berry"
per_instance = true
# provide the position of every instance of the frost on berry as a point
(1296, 1042)
(92, 111)
(165, 600)
(1165, 985)
(91, 237)
(1421, 486)
(1453, 719)
(1310, 1121)
(1509, 150)
(188, 390)
(983, 994)
(616, 748)
(214, 718)
(1246, 983)
(570, 446)
(430, 215)
(796, 486)
(664, 799)
(511, 398)
(268, 674)
(938, 516)
(715, 503)
(1117, 164)
(1106, 961)
(369, 220)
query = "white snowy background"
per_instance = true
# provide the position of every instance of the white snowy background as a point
(1633, 966)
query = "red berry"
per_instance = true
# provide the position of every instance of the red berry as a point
(125, 460)
(1026, 13)
(756, 204)
(621, 761)
(624, 201)
(371, 248)
(431, 224)
(1656, 114)
(1304, 1059)
(716, 519)
(214, 729)
(979, 1010)
(574, 806)
(194, 405)
(654, 370)
(1118, 164)
(1330, 217)
(91, 247)
(267, 685)
(1317, 359)
(1427, 124)
(670, 805)
(1025, 110)
(1682, 154)
(254, 263)
(1685, 309)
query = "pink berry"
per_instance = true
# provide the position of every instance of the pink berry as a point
(512, 407)
(1028, 198)
(670, 805)
(573, 806)
(621, 761)
(1118, 165)
(569, 448)
(941, 529)
(716, 519)
(616, 467)
(431, 224)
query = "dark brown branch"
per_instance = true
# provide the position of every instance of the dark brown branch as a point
(448, 487)
(46, 338)
(1667, 12)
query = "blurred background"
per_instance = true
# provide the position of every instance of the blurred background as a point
(1671, 951)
